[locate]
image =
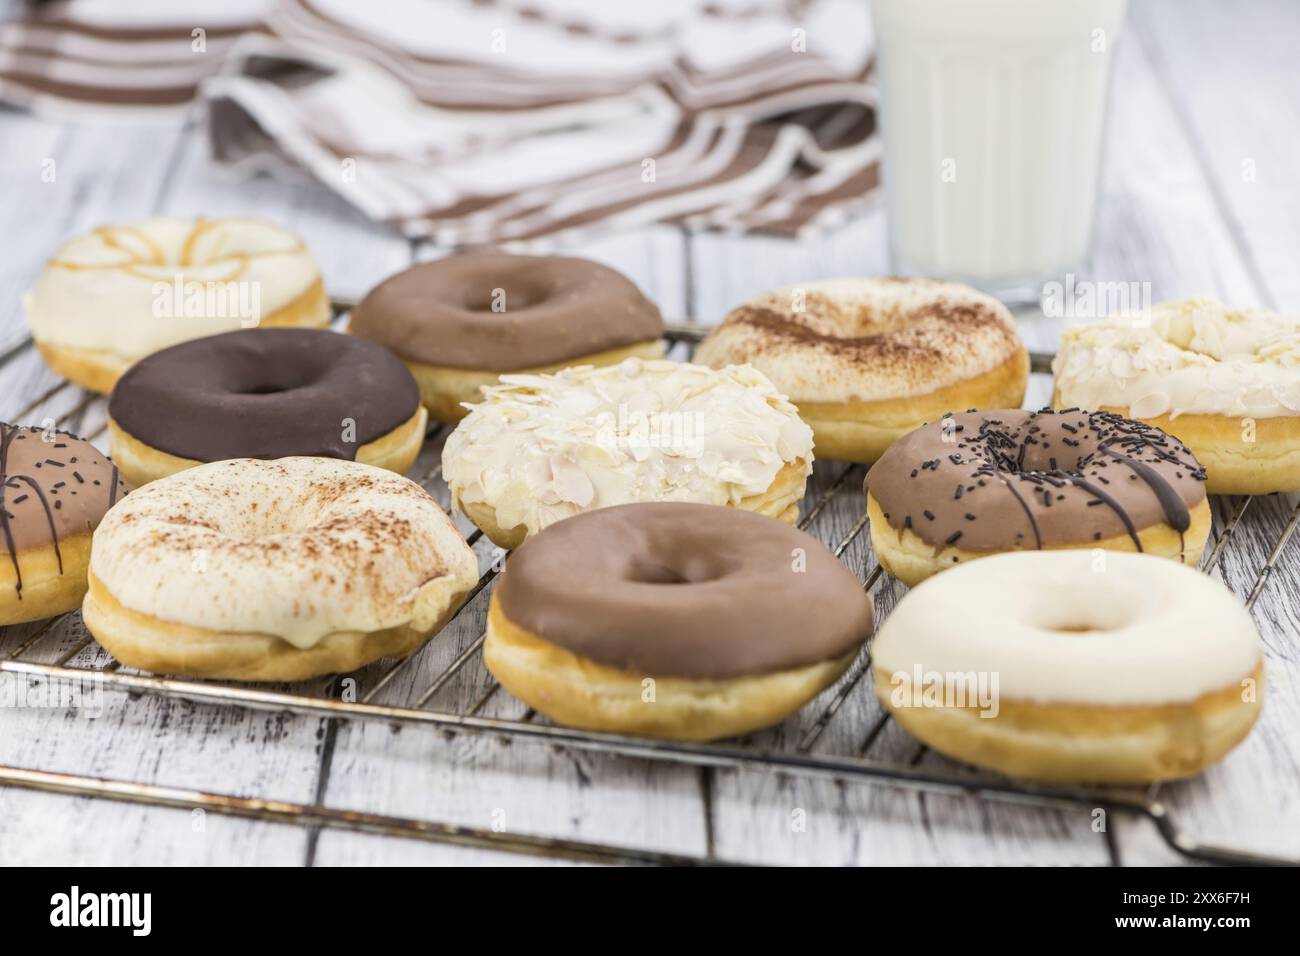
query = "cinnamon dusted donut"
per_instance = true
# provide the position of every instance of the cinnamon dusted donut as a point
(268, 393)
(274, 570)
(868, 360)
(54, 489)
(459, 322)
(1057, 666)
(540, 448)
(979, 483)
(115, 295)
(674, 620)
(1225, 381)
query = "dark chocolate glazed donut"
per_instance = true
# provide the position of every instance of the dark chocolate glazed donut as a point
(685, 590)
(496, 312)
(53, 485)
(265, 393)
(1012, 479)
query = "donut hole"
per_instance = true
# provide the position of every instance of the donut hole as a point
(1028, 453)
(644, 571)
(502, 298)
(845, 318)
(1081, 613)
(270, 380)
(266, 388)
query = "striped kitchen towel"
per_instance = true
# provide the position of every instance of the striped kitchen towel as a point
(517, 122)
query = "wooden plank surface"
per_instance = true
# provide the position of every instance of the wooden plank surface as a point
(1177, 212)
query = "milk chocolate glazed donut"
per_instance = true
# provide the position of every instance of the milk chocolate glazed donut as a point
(734, 619)
(979, 483)
(54, 489)
(459, 322)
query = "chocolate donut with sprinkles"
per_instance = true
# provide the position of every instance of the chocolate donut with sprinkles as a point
(979, 483)
(54, 489)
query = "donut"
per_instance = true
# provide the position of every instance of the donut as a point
(868, 360)
(1059, 667)
(1225, 381)
(979, 483)
(54, 490)
(540, 448)
(274, 570)
(115, 295)
(672, 619)
(264, 393)
(459, 322)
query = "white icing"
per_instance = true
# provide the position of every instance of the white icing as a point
(1193, 356)
(913, 345)
(1165, 633)
(540, 448)
(296, 548)
(133, 290)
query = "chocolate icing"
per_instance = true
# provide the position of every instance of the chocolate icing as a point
(555, 309)
(264, 393)
(1014, 479)
(50, 490)
(672, 589)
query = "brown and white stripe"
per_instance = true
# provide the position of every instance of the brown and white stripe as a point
(494, 121)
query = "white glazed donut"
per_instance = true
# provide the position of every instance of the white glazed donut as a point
(274, 570)
(868, 360)
(1225, 381)
(1099, 666)
(119, 293)
(540, 448)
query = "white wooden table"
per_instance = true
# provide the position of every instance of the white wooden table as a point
(1201, 194)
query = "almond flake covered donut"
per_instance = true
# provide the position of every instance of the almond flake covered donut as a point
(868, 360)
(119, 293)
(274, 570)
(540, 448)
(1225, 381)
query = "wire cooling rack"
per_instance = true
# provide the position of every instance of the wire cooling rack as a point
(799, 760)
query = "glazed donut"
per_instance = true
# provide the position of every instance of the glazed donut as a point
(1225, 381)
(54, 489)
(544, 447)
(1058, 666)
(268, 393)
(677, 620)
(459, 322)
(979, 483)
(868, 360)
(274, 570)
(115, 295)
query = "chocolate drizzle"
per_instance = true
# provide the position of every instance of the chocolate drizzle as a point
(53, 510)
(1058, 469)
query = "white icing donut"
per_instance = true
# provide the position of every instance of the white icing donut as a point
(866, 339)
(1192, 356)
(1077, 627)
(297, 548)
(866, 360)
(132, 290)
(540, 448)
(1103, 666)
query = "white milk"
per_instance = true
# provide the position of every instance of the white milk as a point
(992, 114)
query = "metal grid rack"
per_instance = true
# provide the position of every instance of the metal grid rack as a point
(801, 760)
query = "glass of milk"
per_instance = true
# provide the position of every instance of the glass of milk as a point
(992, 114)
